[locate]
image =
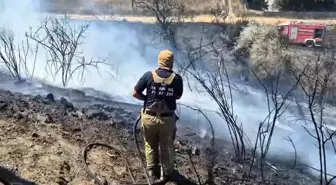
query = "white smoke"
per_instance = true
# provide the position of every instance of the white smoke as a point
(272, 5)
(124, 45)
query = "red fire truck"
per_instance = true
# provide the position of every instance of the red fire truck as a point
(308, 34)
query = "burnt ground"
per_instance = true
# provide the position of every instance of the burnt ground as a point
(42, 138)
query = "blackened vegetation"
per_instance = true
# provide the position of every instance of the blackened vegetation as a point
(112, 124)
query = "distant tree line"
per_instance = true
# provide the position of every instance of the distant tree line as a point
(294, 5)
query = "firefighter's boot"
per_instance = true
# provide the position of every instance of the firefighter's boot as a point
(154, 176)
(155, 172)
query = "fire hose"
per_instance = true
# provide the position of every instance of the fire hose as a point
(99, 182)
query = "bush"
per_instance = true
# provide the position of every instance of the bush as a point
(266, 50)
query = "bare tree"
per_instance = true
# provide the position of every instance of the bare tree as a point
(316, 84)
(16, 55)
(62, 41)
(277, 101)
(168, 13)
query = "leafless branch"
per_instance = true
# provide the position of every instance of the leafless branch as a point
(277, 100)
(315, 85)
(15, 56)
(168, 13)
(208, 120)
(295, 152)
(62, 41)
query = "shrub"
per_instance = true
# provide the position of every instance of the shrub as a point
(266, 50)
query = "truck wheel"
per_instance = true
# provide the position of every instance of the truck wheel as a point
(310, 43)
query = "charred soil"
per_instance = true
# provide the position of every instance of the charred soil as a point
(42, 139)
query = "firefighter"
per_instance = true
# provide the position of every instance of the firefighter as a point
(163, 87)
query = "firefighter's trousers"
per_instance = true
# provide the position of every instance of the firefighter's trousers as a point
(159, 134)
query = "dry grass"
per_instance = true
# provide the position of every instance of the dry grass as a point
(124, 7)
(277, 20)
(199, 19)
(192, 5)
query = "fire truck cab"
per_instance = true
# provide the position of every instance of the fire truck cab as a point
(308, 34)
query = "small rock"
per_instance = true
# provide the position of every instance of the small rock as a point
(36, 98)
(18, 115)
(35, 135)
(65, 167)
(3, 106)
(67, 104)
(109, 108)
(48, 119)
(120, 170)
(77, 129)
(50, 97)
(45, 119)
(195, 151)
(79, 139)
(74, 114)
(62, 181)
(78, 114)
(118, 121)
(105, 181)
(100, 115)
(111, 123)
